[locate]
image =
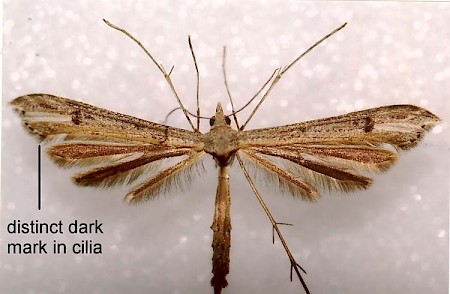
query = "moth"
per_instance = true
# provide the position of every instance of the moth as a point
(337, 153)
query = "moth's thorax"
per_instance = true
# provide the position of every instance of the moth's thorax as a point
(221, 143)
(221, 140)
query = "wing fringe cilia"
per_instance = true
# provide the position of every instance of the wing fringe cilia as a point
(336, 153)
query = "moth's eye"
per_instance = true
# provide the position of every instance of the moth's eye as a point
(228, 120)
(212, 120)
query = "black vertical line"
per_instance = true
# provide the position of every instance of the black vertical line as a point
(39, 177)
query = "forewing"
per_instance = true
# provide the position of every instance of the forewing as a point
(401, 126)
(339, 153)
(50, 117)
(121, 147)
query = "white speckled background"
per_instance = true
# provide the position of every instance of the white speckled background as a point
(392, 238)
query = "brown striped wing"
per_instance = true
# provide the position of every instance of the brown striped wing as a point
(336, 153)
(121, 147)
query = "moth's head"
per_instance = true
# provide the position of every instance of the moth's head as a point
(220, 119)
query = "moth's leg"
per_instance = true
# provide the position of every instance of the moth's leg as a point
(282, 70)
(294, 264)
(198, 83)
(159, 66)
(225, 79)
